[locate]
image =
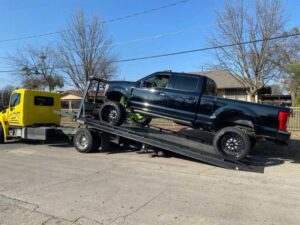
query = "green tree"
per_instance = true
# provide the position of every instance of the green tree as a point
(294, 82)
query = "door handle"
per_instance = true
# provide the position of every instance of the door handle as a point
(190, 98)
(162, 94)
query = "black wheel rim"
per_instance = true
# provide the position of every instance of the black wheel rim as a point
(110, 114)
(232, 144)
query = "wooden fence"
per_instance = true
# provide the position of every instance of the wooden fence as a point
(294, 122)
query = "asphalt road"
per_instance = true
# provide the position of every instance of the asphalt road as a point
(41, 184)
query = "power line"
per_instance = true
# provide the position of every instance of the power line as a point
(186, 51)
(105, 21)
(207, 48)
(146, 38)
(147, 11)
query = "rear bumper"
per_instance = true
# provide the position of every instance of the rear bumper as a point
(283, 136)
(273, 134)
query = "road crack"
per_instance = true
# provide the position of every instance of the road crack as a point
(124, 217)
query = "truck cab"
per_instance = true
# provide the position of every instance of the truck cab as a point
(28, 109)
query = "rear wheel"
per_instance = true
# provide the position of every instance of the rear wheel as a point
(142, 122)
(85, 141)
(1, 135)
(112, 113)
(232, 143)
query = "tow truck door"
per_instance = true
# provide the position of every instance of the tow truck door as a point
(15, 110)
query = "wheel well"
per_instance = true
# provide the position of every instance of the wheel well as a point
(115, 96)
(237, 120)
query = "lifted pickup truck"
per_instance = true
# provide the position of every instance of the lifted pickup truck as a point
(191, 100)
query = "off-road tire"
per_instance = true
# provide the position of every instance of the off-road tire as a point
(86, 141)
(2, 139)
(232, 143)
(112, 113)
(142, 123)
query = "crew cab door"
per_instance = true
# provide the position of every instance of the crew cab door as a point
(183, 97)
(150, 95)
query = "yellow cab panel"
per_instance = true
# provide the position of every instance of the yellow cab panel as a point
(33, 108)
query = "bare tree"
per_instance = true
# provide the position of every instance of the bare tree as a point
(252, 64)
(5, 93)
(86, 50)
(38, 67)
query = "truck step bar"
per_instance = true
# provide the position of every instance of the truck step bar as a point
(163, 139)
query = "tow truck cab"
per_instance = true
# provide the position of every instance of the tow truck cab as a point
(28, 109)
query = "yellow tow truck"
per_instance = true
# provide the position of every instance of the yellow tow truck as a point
(31, 115)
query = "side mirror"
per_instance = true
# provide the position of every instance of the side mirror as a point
(142, 83)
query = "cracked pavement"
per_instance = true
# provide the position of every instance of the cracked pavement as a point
(41, 184)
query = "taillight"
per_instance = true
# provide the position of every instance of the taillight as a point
(283, 119)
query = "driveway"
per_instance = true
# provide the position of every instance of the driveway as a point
(48, 184)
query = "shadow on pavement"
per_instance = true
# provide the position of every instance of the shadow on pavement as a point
(264, 154)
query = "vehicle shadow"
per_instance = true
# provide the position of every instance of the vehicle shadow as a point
(271, 151)
(264, 154)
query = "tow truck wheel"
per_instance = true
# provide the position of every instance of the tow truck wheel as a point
(112, 113)
(232, 143)
(85, 141)
(1, 135)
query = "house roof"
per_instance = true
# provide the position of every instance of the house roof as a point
(77, 95)
(72, 92)
(223, 79)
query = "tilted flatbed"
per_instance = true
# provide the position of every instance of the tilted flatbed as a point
(158, 138)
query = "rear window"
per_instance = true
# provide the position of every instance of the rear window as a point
(43, 101)
(185, 83)
(211, 87)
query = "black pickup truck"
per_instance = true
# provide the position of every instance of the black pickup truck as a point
(192, 100)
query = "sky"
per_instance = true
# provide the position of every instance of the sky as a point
(188, 26)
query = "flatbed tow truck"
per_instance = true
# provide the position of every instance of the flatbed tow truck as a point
(99, 135)
(34, 115)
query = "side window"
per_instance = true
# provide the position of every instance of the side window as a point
(211, 88)
(160, 81)
(185, 83)
(15, 100)
(43, 101)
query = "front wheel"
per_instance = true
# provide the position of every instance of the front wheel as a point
(232, 143)
(2, 139)
(112, 113)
